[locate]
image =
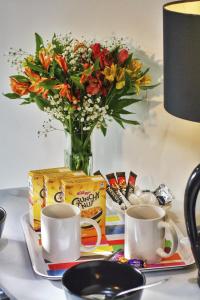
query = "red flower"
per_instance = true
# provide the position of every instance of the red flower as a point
(122, 56)
(94, 85)
(105, 59)
(96, 50)
(102, 54)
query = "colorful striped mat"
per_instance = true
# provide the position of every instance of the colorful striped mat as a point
(113, 241)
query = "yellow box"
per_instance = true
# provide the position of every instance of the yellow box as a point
(89, 194)
(37, 193)
(53, 187)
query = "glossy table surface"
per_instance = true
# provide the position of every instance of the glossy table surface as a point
(20, 281)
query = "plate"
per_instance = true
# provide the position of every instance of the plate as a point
(112, 241)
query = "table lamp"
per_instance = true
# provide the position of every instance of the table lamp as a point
(181, 34)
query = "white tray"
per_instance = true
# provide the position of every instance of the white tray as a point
(114, 239)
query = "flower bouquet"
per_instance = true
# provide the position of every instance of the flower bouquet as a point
(84, 85)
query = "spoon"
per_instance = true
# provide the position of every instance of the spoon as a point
(141, 287)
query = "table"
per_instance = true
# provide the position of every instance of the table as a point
(20, 281)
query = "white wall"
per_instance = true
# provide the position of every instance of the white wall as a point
(163, 149)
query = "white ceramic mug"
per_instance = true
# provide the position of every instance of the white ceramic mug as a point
(60, 232)
(145, 233)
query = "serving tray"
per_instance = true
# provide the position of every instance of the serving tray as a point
(113, 241)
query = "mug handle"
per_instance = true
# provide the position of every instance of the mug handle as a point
(98, 230)
(174, 236)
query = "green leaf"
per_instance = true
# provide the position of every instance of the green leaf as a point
(129, 59)
(115, 51)
(58, 47)
(121, 120)
(12, 96)
(76, 81)
(104, 130)
(96, 65)
(20, 78)
(129, 121)
(25, 102)
(39, 42)
(28, 100)
(125, 112)
(52, 69)
(48, 84)
(58, 73)
(36, 68)
(118, 120)
(144, 73)
(41, 103)
(124, 103)
(148, 87)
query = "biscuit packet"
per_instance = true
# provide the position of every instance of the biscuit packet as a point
(37, 193)
(53, 186)
(89, 194)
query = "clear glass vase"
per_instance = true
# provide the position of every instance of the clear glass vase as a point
(78, 153)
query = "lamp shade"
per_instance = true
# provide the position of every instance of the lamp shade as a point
(181, 34)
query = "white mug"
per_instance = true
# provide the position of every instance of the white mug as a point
(145, 233)
(60, 232)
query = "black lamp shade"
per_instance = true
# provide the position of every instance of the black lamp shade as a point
(181, 21)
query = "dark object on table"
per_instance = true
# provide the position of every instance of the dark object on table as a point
(102, 277)
(2, 219)
(181, 89)
(3, 296)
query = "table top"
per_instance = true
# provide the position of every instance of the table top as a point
(19, 280)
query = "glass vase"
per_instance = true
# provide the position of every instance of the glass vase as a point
(78, 153)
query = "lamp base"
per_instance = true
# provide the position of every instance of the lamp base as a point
(191, 193)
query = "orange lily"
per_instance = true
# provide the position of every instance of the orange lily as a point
(32, 75)
(20, 88)
(44, 58)
(36, 79)
(64, 90)
(37, 89)
(61, 62)
(83, 78)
